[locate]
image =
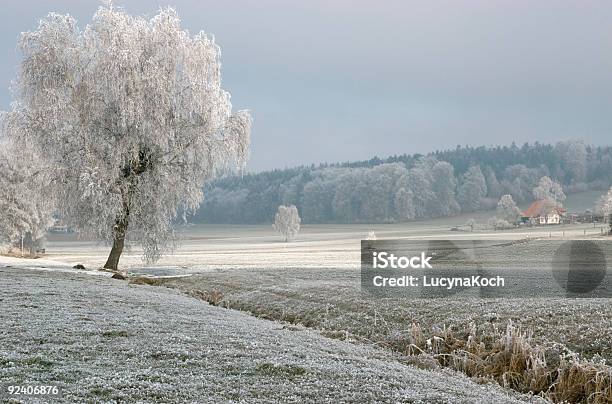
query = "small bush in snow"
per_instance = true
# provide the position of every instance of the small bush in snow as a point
(499, 224)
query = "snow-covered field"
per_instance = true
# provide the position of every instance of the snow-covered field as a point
(104, 340)
(211, 247)
(165, 344)
(259, 272)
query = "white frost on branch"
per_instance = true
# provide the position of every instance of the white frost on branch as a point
(604, 204)
(131, 115)
(549, 190)
(25, 206)
(507, 210)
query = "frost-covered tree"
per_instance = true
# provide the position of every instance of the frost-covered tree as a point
(130, 115)
(348, 196)
(287, 222)
(378, 198)
(604, 204)
(25, 206)
(494, 188)
(317, 200)
(507, 209)
(419, 181)
(520, 180)
(573, 155)
(444, 186)
(403, 204)
(472, 189)
(550, 190)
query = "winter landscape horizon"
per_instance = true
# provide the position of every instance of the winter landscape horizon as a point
(305, 202)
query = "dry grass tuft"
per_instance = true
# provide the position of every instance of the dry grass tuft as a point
(510, 358)
(582, 381)
(146, 280)
(213, 297)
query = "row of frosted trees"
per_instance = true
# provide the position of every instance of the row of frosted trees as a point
(383, 193)
(323, 193)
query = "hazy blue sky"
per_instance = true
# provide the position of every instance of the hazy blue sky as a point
(345, 80)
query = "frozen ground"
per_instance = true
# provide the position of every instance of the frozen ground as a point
(313, 281)
(212, 247)
(105, 340)
(316, 280)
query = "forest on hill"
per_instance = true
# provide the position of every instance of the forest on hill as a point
(406, 187)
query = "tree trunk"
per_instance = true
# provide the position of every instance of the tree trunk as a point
(130, 174)
(119, 231)
(118, 242)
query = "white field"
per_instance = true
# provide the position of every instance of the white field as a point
(250, 264)
(330, 245)
(102, 340)
(315, 280)
(207, 247)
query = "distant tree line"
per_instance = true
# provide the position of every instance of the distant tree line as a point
(407, 187)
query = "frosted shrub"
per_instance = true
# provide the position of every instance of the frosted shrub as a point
(499, 224)
(287, 222)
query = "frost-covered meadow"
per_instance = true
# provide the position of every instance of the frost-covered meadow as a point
(212, 246)
(108, 341)
(310, 285)
(120, 136)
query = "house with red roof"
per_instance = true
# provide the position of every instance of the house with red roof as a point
(543, 212)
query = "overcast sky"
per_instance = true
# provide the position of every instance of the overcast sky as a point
(332, 81)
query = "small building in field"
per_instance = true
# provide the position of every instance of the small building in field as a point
(543, 212)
